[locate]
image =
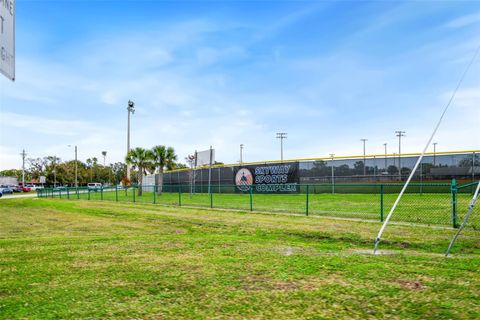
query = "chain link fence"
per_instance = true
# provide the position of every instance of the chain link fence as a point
(427, 203)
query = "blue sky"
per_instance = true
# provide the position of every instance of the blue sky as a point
(223, 73)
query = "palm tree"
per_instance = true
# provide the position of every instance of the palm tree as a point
(104, 154)
(163, 157)
(140, 159)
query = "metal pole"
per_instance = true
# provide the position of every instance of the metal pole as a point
(23, 154)
(55, 171)
(364, 158)
(241, 155)
(400, 134)
(210, 173)
(385, 145)
(434, 152)
(333, 174)
(76, 170)
(281, 136)
(130, 109)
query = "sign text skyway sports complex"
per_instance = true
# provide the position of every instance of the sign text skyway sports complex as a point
(274, 178)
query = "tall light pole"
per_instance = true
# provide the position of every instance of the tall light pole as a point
(434, 152)
(23, 154)
(76, 164)
(281, 136)
(400, 134)
(131, 110)
(241, 153)
(385, 145)
(55, 171)
(364, 157)
(104, 155)
(333, 174)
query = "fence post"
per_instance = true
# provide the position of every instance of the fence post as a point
(211, 197)
(453, 188)
(179, 195)
(306, 204)
(155, 187)
(133, 192)
(88, 193)
(381, 202)
(78, 195)
(116, 193)
(251, 197)
(68, 193)
(101, 193)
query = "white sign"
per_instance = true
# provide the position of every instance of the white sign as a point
(43, 179)
(203, 157)
(7, 38)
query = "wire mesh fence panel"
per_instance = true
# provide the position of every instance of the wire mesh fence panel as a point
(434, 203)
(229, 197)
(288, 203)
(196, 199)
(362, 206)
(420, 204)
(463, 200)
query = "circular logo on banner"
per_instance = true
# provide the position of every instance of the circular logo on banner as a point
(244, 179)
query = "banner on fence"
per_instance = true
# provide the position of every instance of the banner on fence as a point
(272, 178)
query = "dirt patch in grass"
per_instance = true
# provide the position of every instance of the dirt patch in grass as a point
(411, 284)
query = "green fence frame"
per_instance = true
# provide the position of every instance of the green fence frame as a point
(309, 190)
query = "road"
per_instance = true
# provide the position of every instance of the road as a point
(28, 195)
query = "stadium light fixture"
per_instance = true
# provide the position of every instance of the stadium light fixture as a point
(281, 136)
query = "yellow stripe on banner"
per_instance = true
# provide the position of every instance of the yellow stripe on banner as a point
(369, 156)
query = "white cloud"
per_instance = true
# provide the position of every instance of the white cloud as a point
(464, 21)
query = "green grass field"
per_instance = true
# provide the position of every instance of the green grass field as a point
(92, 259)
(425, 208)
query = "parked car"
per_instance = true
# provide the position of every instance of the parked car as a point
(26, 189)
(94, 186)
(6, 189)
(31, 186)
(16, 188)
(1, 193)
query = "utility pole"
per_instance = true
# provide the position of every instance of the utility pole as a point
(241, 154)
(130, 109)
(434, 152)
(55, 171)
(23, 154)
(385, 145)
(364, 157)
(400, 134)
(281, 136)
(76, 164)
(104, 154)
(333, 174)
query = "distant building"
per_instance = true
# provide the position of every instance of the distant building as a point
(8, 181)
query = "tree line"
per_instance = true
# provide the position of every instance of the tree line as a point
(58, 172)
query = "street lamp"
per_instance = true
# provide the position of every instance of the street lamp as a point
(281, 136)
(364, 158)
(76, 164)
(131, 110)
